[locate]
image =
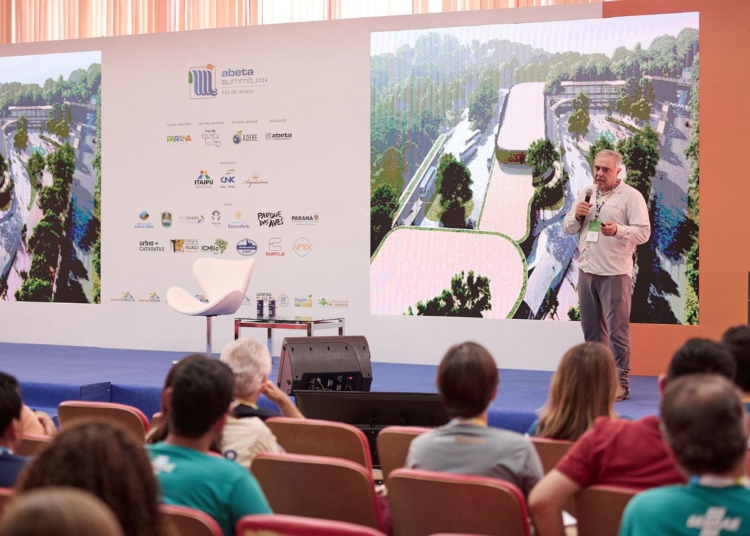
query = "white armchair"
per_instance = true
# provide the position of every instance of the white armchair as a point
(224, 284)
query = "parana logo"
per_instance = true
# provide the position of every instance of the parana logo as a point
(180, 138)
(201, 80)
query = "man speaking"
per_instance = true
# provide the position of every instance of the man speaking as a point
(609, 228)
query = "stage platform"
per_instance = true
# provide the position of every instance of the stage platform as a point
(52, 374)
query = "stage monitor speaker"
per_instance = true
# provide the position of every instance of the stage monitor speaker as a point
(325, 364)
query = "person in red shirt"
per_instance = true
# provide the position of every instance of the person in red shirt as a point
(620, 452)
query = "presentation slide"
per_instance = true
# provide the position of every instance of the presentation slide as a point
(481, 138)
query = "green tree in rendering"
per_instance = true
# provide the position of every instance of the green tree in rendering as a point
(454, 186)
(21, 137)
(391, 169)
(35, 290)
(579, 121)
(36, 166)
(383, 203)
(468, 296)
(541, 156)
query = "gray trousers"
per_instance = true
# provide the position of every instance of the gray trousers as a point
(605, 315)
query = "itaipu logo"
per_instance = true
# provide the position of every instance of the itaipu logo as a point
(203, 180)
(202, 82)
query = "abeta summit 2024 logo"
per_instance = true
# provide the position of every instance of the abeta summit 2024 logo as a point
(203, 80)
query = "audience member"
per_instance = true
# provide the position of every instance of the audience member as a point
(737, 339)
(103, 459)
(620, 452)
(467, 381)
(705, 425)
(59, 511)
(198, 404)
(247, 435)
(583, 388)
(32, 422)
(251, 363)
(10, 430)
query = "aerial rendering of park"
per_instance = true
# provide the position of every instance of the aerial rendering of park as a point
(481, 138)
(50, 177)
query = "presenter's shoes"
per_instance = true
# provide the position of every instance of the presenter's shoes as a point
(623, 393)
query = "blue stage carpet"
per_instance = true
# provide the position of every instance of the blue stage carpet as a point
(52, 374)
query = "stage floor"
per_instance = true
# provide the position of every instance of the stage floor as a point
(52, 374)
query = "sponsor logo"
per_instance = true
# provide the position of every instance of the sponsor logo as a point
(247, 301)
(201, 80)
(211, 137)
(126, 297)
(228, 179)
(239, 137)
(216, 218)
(247, 247)
(308, 219)
(201, 298)
(341, 304)
(150, 245)
(274, 248)
(282, 300)
(180, 138)
(304, 302)
(253, 180)
(270, 219)
(278, 136)
(190, 219)
(152, 298)
(236, 77)
(143, 224)
(185, 245)
(166, 219)
(217, 248)
(302, 247)
(238, 222)
(263, 296)
(203, 180)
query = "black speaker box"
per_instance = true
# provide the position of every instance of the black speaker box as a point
(325, 364)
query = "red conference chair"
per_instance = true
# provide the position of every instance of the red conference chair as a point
(129, 417)
(599, 509)
(550, 451)
(32, 444)
(319, 487)
(393, 446)
(6, 494)
(427, 502)
(322, 438)
(282, 525)
(188, 522)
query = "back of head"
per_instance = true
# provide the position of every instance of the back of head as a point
(705, 423)
(583, 388)
(737, 341)
(105, 460)
(466, 380)
(701, 356)
(250, 362)
(10, 400)
(58, 511)
(201, 393)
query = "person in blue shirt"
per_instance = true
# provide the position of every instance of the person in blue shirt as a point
(10, 428)
(198, 405)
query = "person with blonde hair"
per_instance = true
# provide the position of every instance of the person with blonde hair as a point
(60, 511)
(583, 388)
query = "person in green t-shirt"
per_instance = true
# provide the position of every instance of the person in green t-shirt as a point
(198, 404)
(705, 426)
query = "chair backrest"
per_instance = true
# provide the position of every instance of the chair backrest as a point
(6, 494)
(218, 277)
(32, 444)
(426, 502)
(322, 438)
(599, 509)
(281, 525)
(393, 446)
(319, 487)
(188, 522)
(156, 419)
(550, 451)
(129, 417)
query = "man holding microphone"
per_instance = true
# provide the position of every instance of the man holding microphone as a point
(610, 220)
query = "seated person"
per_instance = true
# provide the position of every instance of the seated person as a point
(705, 426)
(32, 422)
(467, 381)
(10, 430)
(107, 461)
(247, 435)
(198, 406)
(737, 340)
(583, 388)
(620, 452)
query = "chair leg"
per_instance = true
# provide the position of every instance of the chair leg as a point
(209, 353)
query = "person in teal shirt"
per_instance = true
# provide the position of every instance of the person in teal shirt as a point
(705, 425)
(198, 406)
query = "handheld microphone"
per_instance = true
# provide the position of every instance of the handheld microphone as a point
(589, 191)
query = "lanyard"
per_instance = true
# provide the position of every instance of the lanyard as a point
(714, 481)
(605, 198)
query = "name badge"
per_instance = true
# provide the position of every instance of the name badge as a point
(593, 234)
